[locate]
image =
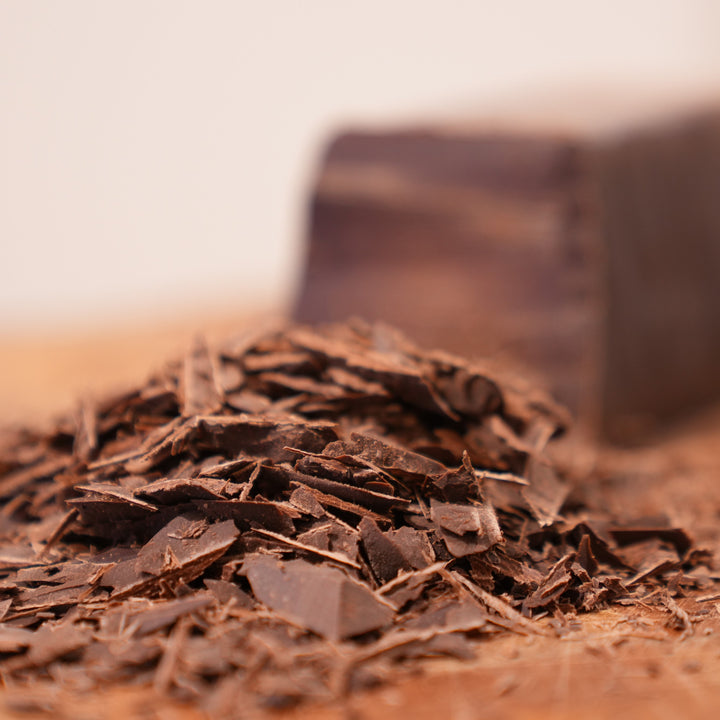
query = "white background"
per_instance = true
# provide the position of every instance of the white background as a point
(154, 153)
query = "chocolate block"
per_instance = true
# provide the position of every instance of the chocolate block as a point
(587, 252)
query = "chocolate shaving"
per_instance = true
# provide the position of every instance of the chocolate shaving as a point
(466, 529)
(385, 557)
(322, 599)
(252, 515)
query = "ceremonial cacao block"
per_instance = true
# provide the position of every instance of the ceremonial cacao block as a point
(589, 255)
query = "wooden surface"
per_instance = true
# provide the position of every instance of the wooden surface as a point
(45, 374)
(619, 663)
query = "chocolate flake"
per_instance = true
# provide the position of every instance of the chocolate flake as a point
(249, 516)
(466, 529)
(322, 599)
(386, 558)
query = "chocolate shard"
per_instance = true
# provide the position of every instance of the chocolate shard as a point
(226, 592)
(157, 447)
(655, 527)
(163, 614)
(268, 515)
(378, 502)
(333, 535)
(585, 555)
(306, 502)
(414, 546)
(172, 491)
(226, 469)
(258, 436)
(107, 516)
(457, 486)
(15, 480)
(282, 540)
(200, 391)
(321, 599)
(409, 587)
(303, 384)
(355, 472)
(176, 554)
(63, 574)
(17, 556)
(404, 380)
(553, 585)
(332, 501)
(468, 391)
(125, 579)
(523, 574)
(466, 529)
(385, 557)
(649, 557)
(86, 438)
(389, 457)
(545, 492)
(185, 543)
(102, 491)
(353, 381)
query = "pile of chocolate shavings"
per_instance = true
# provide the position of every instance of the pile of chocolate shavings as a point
(295, 516)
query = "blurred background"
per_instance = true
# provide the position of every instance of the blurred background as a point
(157, 155)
